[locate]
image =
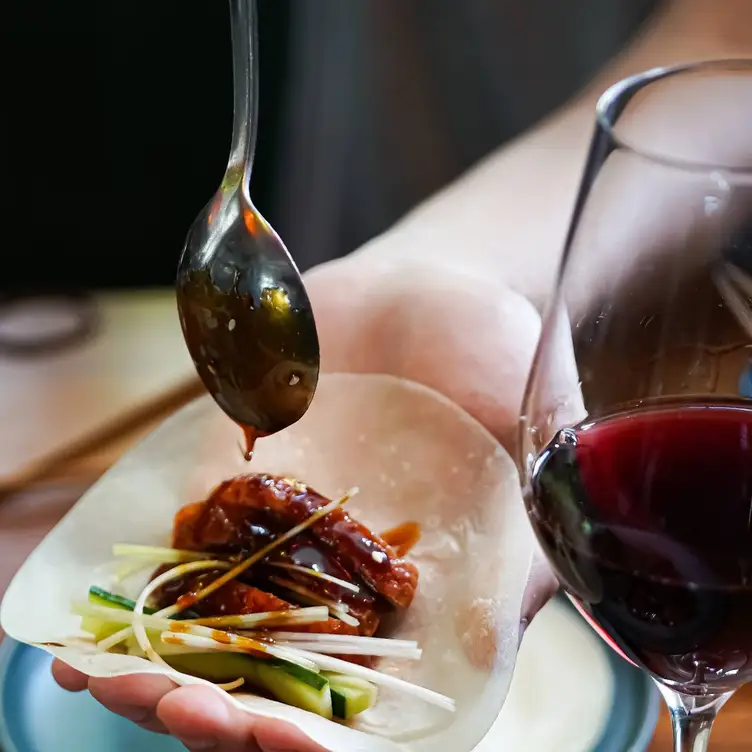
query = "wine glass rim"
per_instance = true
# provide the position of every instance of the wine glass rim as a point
(611, 103)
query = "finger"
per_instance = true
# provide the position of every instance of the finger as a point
(203, 720)
(274, 736)
(133, 697)
(68, 678)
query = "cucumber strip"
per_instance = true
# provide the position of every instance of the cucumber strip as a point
(99, 629)
(103, 626)
(350, 695)
(317, 681)
(103, 597)
(222, 667)
(292, 691)
(98, 626)
(287, 683)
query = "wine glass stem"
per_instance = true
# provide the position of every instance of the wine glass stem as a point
(692, 718)
(245, 86)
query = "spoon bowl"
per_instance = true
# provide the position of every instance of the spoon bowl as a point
(244, 311)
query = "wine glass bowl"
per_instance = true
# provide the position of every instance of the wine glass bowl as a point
(636, 443)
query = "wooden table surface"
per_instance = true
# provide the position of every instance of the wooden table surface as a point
(27, 516)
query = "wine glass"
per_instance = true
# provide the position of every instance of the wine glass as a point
(636, 427)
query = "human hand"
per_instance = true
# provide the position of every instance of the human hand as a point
(198, 716)
(466, 337)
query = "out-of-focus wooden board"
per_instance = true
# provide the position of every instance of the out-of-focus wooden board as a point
(137, 354)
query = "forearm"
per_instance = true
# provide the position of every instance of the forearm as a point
(508, 216)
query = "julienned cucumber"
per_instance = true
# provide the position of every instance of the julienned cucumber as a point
(326, 694)
(293, 691)
(286, 682)
(103, 628)
(223, 667)
(101, 597)
(350, 695)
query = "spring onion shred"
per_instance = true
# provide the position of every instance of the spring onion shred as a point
(338, 638)
(317, 575)
(158, 553)
(342, 615)
(327, 663)
(333, 648)
(182, 569)
(336, 609)
(291, 533)
(248, 643)
(139, 630)
(294, 616)
(232, 685)
(272, 618)
(344, 644)
(204, 644)
(119, 615)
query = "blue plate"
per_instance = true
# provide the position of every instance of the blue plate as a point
(37, 716)
(634, 714)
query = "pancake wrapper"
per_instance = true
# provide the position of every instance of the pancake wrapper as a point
(414, 456)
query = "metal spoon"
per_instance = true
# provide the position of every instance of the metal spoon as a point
(245, 313)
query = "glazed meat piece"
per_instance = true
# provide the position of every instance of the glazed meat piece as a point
(223, 528)
(240, 598)
(240, 530)
(244, 511)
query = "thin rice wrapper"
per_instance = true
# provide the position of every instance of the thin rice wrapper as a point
(414, 455)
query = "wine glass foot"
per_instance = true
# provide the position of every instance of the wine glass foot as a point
(692, 717)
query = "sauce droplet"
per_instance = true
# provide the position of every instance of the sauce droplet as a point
(250, 435)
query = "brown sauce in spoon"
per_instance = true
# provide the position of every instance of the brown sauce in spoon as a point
(254, 347)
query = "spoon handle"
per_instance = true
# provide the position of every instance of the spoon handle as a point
(245, 89)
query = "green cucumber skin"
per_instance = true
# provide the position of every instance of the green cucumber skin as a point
(101, 597)
(225, 664)
(311, 678)
(350, 695)
(339, 704)
(270, 675)
(292, 691)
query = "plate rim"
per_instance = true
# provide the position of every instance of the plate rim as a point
(645, 730)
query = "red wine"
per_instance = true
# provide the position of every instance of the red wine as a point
(646, 517)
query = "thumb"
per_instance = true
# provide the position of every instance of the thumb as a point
(470, 339)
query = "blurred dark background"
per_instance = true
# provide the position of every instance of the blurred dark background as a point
(117, 118)
(118, 131)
